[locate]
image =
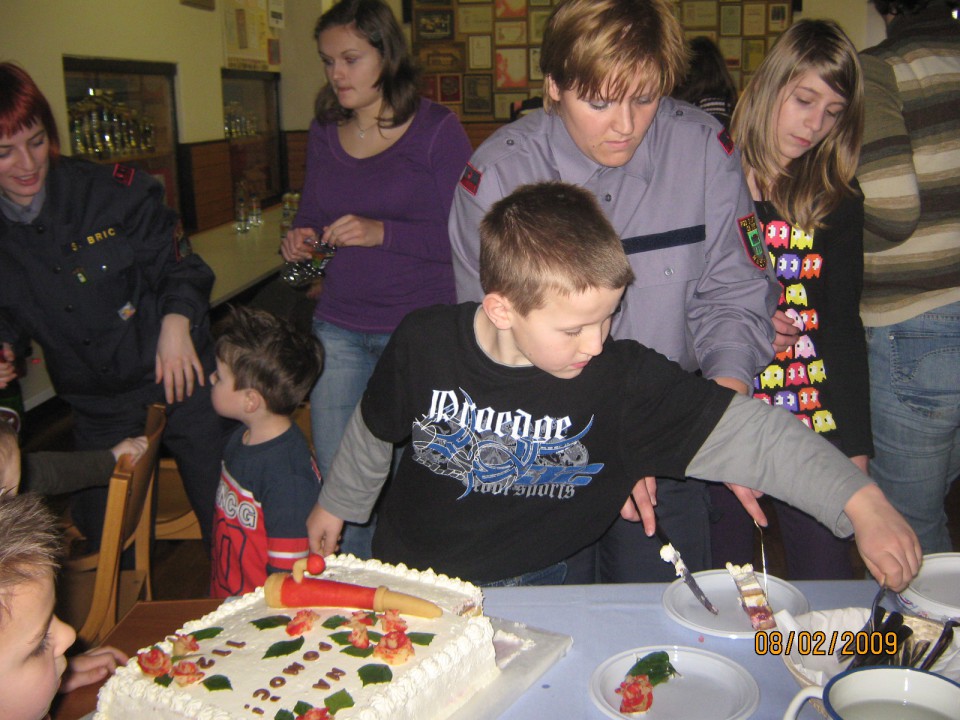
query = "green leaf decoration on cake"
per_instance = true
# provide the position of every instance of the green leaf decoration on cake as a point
(335, 621)
(358, 652)
(206, 633)
(285, 715)
(268, 623)
(341, 638)
(338, 701)
(302, 708)
(421, 638)
(217, 682)
(164, 680)
(284, 647)
(373, 674)
(656, 666)
(374, 636)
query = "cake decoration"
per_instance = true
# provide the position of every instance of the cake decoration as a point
(636, 689)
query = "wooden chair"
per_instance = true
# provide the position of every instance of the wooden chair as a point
(175, 519)
(94, 591)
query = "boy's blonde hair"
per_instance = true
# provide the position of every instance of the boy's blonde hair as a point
(268, 354)
(598, 48)
(549, 236)
(30, 544)
(811, 186)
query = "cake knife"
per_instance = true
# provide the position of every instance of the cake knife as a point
(671, 555)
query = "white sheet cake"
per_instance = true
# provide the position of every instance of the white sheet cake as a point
(260, 671)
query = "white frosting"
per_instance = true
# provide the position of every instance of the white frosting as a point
(432, 685)
(669, 554)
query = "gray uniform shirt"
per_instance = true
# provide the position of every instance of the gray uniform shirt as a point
(683, 210)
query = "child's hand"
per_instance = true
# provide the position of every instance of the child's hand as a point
(93, 666)
(323, 529)
(885, 540)
(639, 507)
(130, 446)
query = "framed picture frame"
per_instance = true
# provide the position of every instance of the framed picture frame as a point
(537, 20)
(433, 24)
(700, 14)
(730, 19)
(479, 52)
(539, 3)
(754, 19)
(451, 88)
(430, 87)
(441, 57)
(754, 50)
(472, 20)
(510, 68)
(202, 4)
(503, 102)
(778, 17)
(478, 94)
(510, 32)
(732, 50)
(535, 73)
(510, 8)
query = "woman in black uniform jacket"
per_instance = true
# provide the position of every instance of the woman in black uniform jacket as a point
(95, 268)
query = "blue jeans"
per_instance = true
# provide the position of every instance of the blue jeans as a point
(349, 360)
(552, 575)
(915, 412)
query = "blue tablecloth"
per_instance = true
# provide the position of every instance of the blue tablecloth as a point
(604, 620)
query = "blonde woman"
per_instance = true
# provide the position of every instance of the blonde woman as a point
(799, 126)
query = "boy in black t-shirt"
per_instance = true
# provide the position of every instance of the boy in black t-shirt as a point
(529, 427)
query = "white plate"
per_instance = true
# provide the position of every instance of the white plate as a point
(935, 591)
(731, 621)
(708, 687)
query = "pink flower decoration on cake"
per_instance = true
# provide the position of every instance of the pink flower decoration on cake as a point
(316, 714)
(391, 620)
(154, 662)
(184, 644)
(186, 673)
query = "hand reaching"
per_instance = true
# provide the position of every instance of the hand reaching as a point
(786, 332)
(90, 667)
(296, 245)
(177, 364)
(354, 230)
(133, 447)
(8, 372)
(645, 495)
(323, 529)
(885, 540)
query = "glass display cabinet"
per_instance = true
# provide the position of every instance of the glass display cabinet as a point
(123, 111)
(251, 124)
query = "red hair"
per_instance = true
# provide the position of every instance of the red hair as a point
(22, 105)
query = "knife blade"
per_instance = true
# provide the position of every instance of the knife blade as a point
(671, 555)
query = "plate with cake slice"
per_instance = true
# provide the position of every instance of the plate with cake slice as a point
(697, 684)
(737, 611)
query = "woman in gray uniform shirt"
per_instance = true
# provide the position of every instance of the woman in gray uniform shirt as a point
(669, 179)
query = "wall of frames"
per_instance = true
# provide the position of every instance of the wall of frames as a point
(480, 57)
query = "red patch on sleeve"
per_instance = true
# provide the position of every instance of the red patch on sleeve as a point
(725, 141)
(123, 174)
(470, 180)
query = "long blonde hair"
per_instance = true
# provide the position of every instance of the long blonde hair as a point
(811, 186)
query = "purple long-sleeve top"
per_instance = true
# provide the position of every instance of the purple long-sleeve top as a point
(409, 188)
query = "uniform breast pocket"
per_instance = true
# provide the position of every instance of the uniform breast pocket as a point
(108, 272)
(666, 260)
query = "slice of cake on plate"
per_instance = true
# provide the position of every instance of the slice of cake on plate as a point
(250, 660)
(753, 599)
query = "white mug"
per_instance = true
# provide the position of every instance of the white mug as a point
(883, 693)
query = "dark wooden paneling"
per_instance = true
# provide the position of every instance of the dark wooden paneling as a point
(207, 187)
(477, 132)
(295, 149)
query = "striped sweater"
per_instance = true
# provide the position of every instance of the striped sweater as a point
(910, 168)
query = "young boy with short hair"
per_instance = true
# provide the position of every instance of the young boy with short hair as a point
(32, 639)
(529, 426)
(269, 481)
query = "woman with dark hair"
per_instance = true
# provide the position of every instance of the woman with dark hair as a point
(708, 83)
(382, 165)
(96, 269)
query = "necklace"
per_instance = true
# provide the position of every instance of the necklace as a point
(362, 131)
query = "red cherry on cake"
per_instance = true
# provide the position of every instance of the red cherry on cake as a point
(315, 564)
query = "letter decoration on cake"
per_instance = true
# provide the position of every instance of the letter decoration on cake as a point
(343, 646)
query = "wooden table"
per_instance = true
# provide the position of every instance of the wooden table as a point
(147, 622)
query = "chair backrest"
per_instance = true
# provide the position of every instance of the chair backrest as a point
(127, 519)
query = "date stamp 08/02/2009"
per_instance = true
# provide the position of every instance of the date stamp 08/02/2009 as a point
(846, 643)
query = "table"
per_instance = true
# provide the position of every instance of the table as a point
(239, 261)
(603, 620)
